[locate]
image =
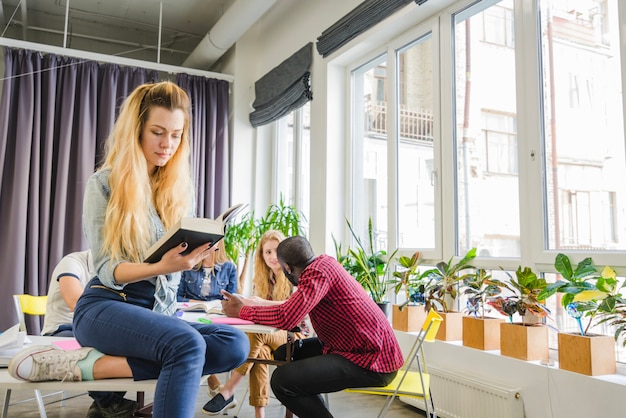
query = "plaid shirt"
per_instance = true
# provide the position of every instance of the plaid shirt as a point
(345, 318)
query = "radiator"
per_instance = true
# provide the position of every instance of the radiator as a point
(457, 396)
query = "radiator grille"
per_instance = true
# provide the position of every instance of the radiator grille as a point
(458, 396)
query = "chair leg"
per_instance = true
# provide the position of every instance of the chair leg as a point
(7, 399)
(386, 406)
(42, 408)
(243, 398)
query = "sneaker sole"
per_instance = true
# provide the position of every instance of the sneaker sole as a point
(15, 363)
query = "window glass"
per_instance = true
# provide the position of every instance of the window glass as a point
(583, 125)
(369, 150)
(293, 165)
(486, 132)
(416, 192)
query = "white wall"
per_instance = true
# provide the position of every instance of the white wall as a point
(547, 392)
(286, 28)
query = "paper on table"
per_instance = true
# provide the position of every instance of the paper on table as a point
(230, 321)
(11, 341)
(67, 344)
(12, 338)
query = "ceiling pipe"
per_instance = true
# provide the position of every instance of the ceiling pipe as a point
(235, 21)
(1, 14)
(25, 20)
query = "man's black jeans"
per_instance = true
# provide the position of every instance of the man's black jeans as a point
(298, 384)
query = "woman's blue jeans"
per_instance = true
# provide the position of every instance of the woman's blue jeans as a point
(176, 352)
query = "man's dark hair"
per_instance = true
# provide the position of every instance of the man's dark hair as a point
(295, 251)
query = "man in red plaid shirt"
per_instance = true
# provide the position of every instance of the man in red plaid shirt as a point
(355, 345)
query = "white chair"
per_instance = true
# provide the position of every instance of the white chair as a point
(411, 383)
(26, 304)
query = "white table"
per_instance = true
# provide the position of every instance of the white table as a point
(253, 328)
(8, 383)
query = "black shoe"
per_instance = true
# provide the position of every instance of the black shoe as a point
(122, 409)
(218, 404)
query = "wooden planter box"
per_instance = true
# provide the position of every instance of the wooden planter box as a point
(592, 355)
(409, 319)
(451, 328)
(481, 333)
(524, 342)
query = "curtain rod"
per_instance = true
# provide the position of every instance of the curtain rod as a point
(112, 59)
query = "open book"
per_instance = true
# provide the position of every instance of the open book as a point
(193, 231)
(210, 307)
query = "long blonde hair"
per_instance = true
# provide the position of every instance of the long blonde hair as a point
(220, 255)
(169, 188)
(262, 272)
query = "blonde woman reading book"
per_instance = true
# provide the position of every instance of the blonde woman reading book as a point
(125, 317)
(269, 283)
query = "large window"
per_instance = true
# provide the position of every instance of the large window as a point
(497, 125)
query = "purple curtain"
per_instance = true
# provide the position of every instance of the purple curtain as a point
(209, 147)
(55, 114)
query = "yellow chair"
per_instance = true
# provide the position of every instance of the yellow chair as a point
(26, 304)
(411, 383)
(30, 305)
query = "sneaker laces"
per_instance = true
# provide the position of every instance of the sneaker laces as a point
(57, 365)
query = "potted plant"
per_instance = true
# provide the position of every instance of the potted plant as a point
(528, 339)
(409, 315)
(370, 267)
(441, 289)
(585, 293)
(479, 331)
(617, 319)
(243, 235)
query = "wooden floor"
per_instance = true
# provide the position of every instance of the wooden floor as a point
(342, 405)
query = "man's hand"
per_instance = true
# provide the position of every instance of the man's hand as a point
(231, 305)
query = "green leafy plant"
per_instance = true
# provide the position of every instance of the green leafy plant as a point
(409, 279)
(479, 289)
(525, 287)
(586, 292)
(616, 318)
(442, 283)
(368, 266)
(242, 236)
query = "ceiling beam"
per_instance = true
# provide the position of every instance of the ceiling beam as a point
(92, 56)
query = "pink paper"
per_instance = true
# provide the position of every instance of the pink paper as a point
(67, 344)
(230, 321)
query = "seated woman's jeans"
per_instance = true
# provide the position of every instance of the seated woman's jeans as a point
(176, 352)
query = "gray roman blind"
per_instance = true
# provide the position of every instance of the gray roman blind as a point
(283, 89)
(360, 19)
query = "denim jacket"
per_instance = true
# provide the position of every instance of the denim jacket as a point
(97, 194)
(224, 276)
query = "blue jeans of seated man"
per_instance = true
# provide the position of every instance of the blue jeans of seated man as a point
(298, 384)
(103, 399)
(176, 352)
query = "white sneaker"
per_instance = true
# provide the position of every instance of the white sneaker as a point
(44, 362)
(213, 392)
